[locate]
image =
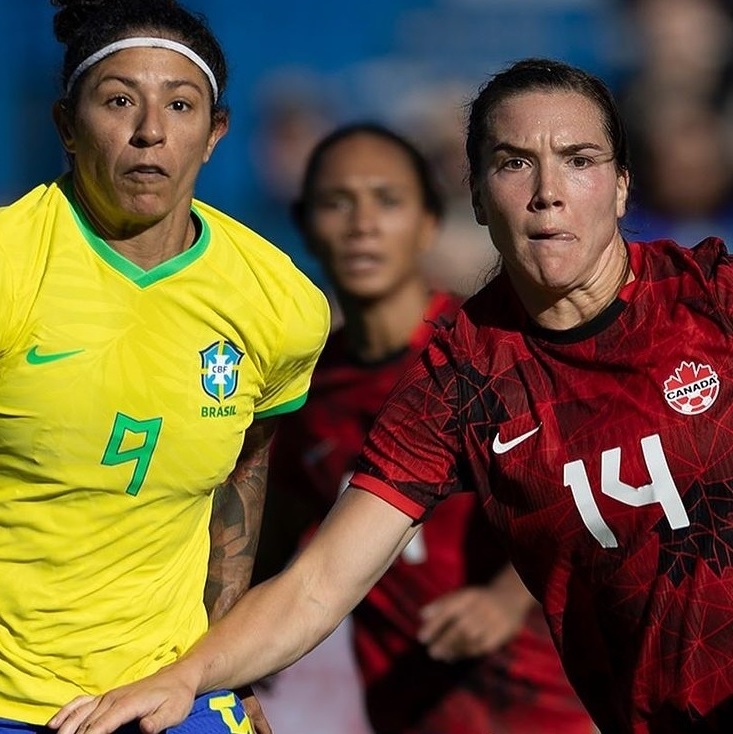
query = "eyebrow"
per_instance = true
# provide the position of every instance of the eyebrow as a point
(346, 189)
(566, 149)
(171, 84)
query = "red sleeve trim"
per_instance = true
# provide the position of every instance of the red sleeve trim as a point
(388, 494)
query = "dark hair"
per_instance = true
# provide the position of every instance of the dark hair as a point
(432, 199)
(85, 26)
(535, 74)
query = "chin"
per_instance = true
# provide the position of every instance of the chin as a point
(361, 287)
(148, 206)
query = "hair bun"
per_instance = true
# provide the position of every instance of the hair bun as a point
(72, 14)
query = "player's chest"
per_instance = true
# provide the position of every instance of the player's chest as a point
(600, 445)
(194, 364)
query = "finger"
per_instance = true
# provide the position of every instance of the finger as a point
(256, 715)
(433, 628)
(436, 616)
(76, 718)
(454, 604)
(447, 645)
(168, 714)
(438, 608)
(66, 711)
(154, 723)
(112, 714)
(260, 724)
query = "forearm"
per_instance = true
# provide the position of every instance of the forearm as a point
(261, 635)
(278, 621)
(234, 533)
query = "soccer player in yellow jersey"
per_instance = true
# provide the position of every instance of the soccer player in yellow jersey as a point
(147, 344)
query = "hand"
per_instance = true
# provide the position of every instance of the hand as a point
(157, 702)
(255, 714)
(475, 620)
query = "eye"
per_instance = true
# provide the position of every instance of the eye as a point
(119, 100)
(580, 161)
(389, 200)
(514, 164)
(180, 106)
(332, 203)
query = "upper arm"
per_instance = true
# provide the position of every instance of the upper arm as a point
(412, 453)
(246, 484)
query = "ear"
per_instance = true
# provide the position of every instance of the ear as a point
(622, 193)
(64, 126)
(219, 129)
(429, 232)
(479, 210)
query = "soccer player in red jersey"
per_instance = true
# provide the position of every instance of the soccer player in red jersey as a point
(586, 393)
(369, 209)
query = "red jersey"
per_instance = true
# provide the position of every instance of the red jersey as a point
(520, 689)
(603, 455)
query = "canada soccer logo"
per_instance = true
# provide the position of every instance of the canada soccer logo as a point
(692, 389)
(220, 369)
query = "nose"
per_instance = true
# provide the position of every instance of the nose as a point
(363, 216)
(150, 128)
(548, 188)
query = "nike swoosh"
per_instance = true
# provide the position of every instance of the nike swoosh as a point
(33, 357)
(501, 448)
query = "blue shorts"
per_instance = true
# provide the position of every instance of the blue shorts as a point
(220, 712)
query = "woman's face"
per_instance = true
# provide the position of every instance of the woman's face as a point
(139, 135)
(366, 221)
(550, 192)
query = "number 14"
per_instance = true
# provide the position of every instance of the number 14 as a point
(661, 489)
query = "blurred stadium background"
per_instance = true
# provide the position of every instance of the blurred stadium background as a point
(299, 67)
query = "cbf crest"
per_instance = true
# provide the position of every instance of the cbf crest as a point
(220, 369)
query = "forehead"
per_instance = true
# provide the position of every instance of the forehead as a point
(140, 64)
(364, 155)
(555, 113)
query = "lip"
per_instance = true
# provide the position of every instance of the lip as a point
(553, 235)
(146, 172)
(359, 262)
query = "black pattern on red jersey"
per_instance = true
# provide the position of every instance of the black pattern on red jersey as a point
(709, 507)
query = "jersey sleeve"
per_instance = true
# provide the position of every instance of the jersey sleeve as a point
(305, 327)
(411, 455)
(9, 297)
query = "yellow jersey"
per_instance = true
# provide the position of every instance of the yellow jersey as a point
(124, 398)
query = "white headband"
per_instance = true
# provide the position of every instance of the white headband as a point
(144, 42)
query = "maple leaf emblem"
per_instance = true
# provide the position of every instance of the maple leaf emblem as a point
(692, 388)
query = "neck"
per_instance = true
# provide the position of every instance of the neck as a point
(379, 328)
(583, 303)
(146, 243)
(156, 244)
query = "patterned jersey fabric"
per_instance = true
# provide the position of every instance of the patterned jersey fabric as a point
(603, 457)
(520, 689)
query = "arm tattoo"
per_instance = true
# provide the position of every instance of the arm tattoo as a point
(235, 522)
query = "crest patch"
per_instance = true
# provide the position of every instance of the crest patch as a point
(692, 389)
(220, 369)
